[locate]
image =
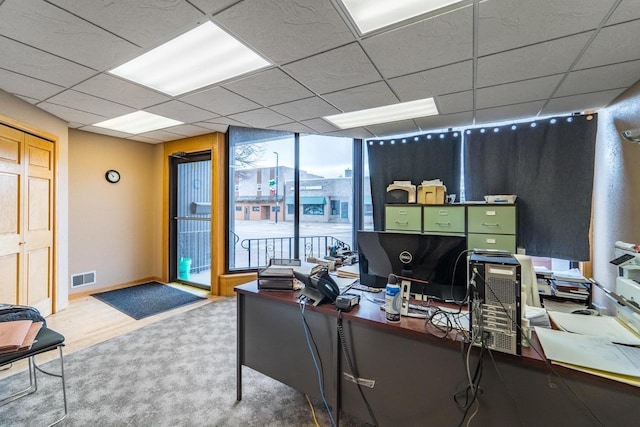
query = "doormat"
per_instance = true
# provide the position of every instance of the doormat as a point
(145, 300)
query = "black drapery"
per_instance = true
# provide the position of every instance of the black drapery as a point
(415, 159)
(549, 165)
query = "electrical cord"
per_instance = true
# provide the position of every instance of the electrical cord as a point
(544, 359)
(313, 412)
(354, 372)
(307, 333)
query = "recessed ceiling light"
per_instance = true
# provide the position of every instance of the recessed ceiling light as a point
(370, 15)
(138, 122)
(388, 113)
(200, 57)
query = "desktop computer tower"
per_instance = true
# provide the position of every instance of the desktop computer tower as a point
(495, 313)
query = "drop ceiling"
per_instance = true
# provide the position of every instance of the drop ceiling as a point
(482, 61)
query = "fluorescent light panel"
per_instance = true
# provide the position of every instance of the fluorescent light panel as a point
(388, 113)
(370, 15)
(200, 57)
(138, 122)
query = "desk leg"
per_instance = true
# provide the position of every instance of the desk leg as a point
(240, 345)
(335, 404)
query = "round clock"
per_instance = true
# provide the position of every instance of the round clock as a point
(112, 176)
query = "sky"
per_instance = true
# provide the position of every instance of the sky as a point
(328, 157)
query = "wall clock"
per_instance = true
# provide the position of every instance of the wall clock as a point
(112, 176)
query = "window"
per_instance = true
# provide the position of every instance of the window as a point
(313, 209)
(276, 229)
(335, 207)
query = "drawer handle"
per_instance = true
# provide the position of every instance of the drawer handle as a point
(489, 224)
(402, 222)
(444, 224)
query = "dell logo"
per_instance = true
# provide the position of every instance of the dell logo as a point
(405, 257)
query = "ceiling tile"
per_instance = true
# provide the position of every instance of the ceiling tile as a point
(319, 125)
(438, 81)
(337, 69)
(516, 93)
(269, 87)
(262, 118)
(225, 121)
(285, 31)
(70, 114)
(146, 139)
(51, 29)
(445, 121)
(180, 111)
(25, 86)
(214, 126)
(145, 23)
(613, 44)
(32, 62)
(539, 60)
(597, 79)
(580, 103)
(512, 112)
(403, 127)
(162, 135)
(362, 97)
(29, 100)
(84, 102)
(293, 127)
(188, 130)
(507, 24)
(431, 43)
(360, 133)
(627, 10)
(105, 131)
(211, 7)
(305, 109)
(455, 102)
(221, 101)
(120, 91)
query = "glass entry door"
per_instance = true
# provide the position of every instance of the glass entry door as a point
(190, 225)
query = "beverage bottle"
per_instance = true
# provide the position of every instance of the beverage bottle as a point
(392, 300)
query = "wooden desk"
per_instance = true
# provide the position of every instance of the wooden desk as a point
(416, 374)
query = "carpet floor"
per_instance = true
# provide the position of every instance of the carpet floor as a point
(147, 299)
(177, 372)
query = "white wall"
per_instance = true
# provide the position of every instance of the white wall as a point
(616, 195)
(25, 113)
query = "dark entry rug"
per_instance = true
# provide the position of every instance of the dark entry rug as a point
(145, 300)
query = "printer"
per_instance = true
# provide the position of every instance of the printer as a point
(628, 283)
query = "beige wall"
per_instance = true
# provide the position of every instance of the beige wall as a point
(616, 186)
(113, 228)
(38, 120)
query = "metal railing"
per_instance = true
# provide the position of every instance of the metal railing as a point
(260, 250)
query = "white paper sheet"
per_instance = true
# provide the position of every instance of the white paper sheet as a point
(590, 352)
(607, 327)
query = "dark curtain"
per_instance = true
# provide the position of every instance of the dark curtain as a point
(415, 159)
(549, 165)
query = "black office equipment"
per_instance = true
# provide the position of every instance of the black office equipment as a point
(495, 302)
(435, 264)
(318, 285)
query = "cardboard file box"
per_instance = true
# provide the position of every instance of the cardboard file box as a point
(431, 194)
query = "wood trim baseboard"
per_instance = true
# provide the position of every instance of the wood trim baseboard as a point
(229, 281)
(81, 294)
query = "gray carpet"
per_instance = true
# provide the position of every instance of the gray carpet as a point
(177, 372)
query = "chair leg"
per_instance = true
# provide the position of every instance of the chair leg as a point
(33, 385)
(61, 376)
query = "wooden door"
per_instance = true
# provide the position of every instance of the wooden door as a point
(26, 219)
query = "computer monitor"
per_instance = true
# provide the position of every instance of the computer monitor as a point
(437, 264)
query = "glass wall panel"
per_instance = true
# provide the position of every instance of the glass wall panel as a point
(326, 194)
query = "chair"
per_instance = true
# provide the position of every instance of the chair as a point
(46, 340)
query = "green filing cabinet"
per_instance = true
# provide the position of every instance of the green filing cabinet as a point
(403, 218)
(492, 227)
(443, 219)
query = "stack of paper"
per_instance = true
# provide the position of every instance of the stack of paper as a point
(349, 271)
(17, 335)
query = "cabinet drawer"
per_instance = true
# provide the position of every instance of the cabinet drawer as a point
(403, 218)
(505, 242)
(443, 219)
(492, 219)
